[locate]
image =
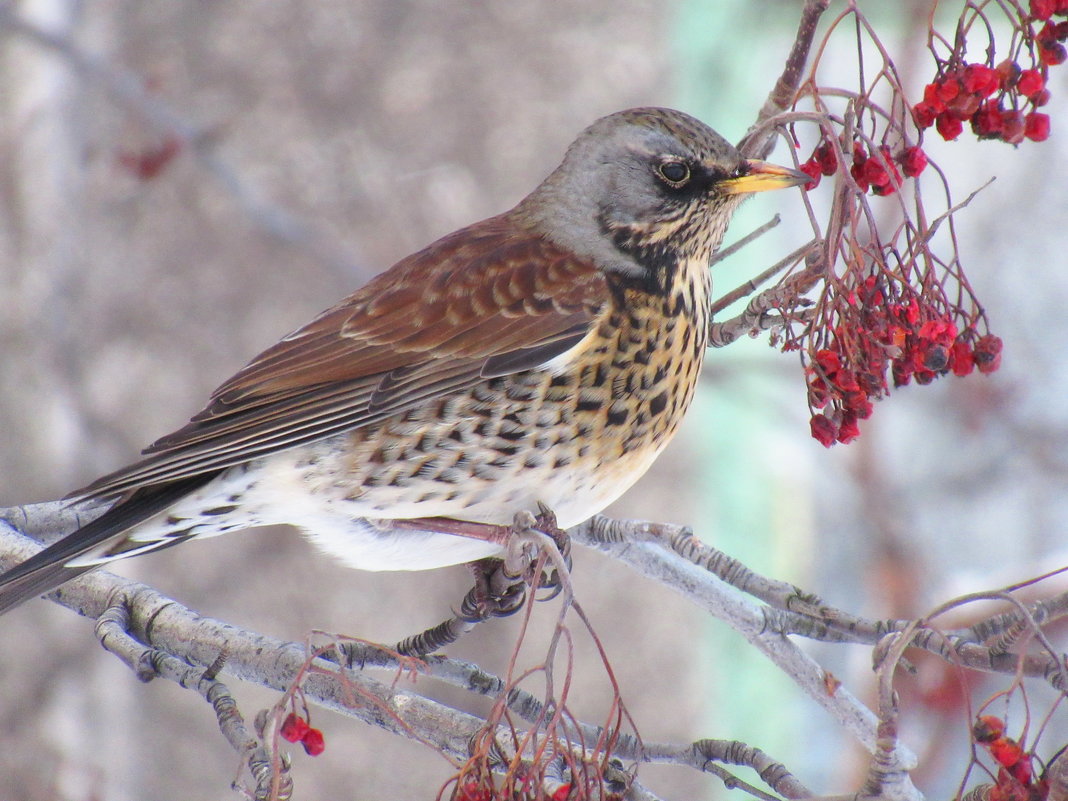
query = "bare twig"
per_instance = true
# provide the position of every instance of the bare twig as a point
(783, 295)
(760, 139)
(752, 236)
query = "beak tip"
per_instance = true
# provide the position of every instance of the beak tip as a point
(761, 176)
(788, 175)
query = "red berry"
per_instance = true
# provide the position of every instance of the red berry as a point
(936, 358)
(988, 728)
(858, 173)
(313, 742)
(902, 371)
(1006, 751)
(889, 178)
(825, 156)
(947, 89)
(824, 430)
(818, 394)
(981, 79)
(1036, 126)
(874, 173)
(924, 377)
(933, 99)
(813, 171)
(913, 161)
(828, 361)
(472, 791)
(846, 381)
(1030, 83)
(987, 121)
(987, 353)
(1012, 126)
(1023, 772)
(1042, 9)
(1052, 53)
(1039, 99)
(941, 331)
(949, 127)
(1008, 70)
(848, 430)
(925, 115)
(960, 359)
(964, 106)
(294, 728)
(861, 408)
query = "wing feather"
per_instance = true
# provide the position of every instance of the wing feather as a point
(488, 300)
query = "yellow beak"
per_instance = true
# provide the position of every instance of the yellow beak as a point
(762, 177)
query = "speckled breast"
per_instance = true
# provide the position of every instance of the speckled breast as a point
(573, 435)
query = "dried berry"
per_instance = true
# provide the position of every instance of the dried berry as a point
(1036, 126)
(949, 127)
(913, 161)
(987, 353)
(1030, 83)
(813, 171)
(824, 430)
(825, 156)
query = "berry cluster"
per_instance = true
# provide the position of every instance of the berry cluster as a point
(989, 98)
(296, 729)
(878, 172)
(1000, 102)
(908, 337)
(1016, 776)
(1048, 40)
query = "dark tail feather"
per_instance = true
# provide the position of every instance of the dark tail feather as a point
(45, 571)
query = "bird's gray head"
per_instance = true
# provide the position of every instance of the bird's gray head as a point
(647, 185)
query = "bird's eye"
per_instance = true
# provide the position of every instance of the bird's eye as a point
(675, 173)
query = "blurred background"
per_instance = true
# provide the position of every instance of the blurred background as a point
(334, 138)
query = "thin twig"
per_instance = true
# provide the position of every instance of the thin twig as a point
(752, 236)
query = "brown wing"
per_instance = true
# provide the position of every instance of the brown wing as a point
(487, 300)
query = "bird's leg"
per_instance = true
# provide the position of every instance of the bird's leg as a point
(544, 521)
(487, 532)
(495, 594)
(500, 584)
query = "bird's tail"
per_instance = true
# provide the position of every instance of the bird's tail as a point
(45, 571)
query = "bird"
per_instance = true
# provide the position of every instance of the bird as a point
(538, 359)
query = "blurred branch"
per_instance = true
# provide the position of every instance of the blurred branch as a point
(160, 624)
(129, 91)
(150, 630)
(759, 140)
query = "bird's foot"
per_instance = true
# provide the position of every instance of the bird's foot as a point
(496, 593)
(522, 552)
